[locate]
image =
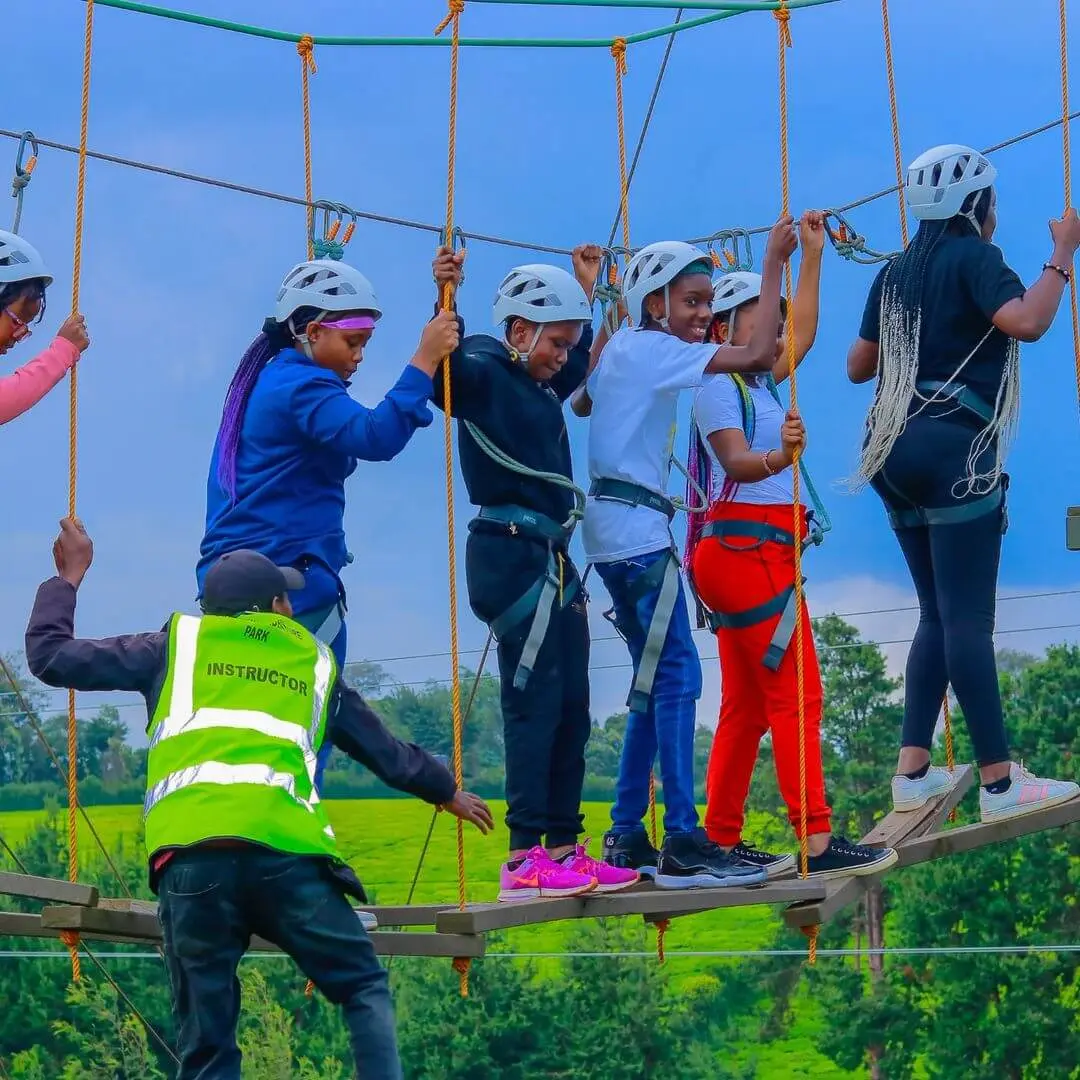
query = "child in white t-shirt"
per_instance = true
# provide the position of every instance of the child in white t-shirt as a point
(633, 393)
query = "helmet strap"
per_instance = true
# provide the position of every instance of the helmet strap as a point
(302, 338)
(522, 357)
(664, 321)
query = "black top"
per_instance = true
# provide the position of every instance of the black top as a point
(966, 283)
(138, 662)
(522, 417)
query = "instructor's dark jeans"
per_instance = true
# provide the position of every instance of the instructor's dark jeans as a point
(954, 568)
(213, 900)
(546, 725)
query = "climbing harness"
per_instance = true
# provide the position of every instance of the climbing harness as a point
(817, 521)
(538, 601)
(24, 168)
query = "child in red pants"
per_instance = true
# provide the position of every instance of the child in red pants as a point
(743, 569)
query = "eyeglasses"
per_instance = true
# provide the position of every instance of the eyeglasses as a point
(22, 328)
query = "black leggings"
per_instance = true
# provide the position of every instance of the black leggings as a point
(547, 724)
(954, 568)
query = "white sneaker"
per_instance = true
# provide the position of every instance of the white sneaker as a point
(1027, 794)
(908, 794)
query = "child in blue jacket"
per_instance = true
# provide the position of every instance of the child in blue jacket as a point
(291, 435)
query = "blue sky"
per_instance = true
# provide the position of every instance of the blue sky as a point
(177, 277)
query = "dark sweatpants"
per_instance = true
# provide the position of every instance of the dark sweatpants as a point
(954, 568)
(546, 725)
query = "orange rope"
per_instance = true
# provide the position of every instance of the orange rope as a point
(811, 933)
(305, 47)
(72, 940)
(950, 754)
(662, 928)
(453, 19)
(1066, 147)
(783, 18)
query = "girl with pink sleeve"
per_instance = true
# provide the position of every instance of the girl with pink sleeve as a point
(23, 280)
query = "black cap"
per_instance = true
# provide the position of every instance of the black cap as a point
(246, 581)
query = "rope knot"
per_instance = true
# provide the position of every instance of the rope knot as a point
(662, 928)
(783, 17)
(454, 9)
(461, 965)
(618, 52)
(306, 48)
(811, 933)
(328, 249)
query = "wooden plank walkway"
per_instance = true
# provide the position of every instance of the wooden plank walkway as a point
(891, 831)
(141, 925)
(42, 888)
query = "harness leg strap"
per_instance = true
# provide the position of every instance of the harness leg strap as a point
(781, 638)
(641, 691)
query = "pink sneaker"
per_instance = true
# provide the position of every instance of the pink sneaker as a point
(608, 878)
(538, 876)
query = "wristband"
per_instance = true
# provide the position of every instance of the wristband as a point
(769, 470)
(1064, 271)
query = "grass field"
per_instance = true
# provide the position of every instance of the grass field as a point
(382, 840)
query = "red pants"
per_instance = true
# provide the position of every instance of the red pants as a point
(753, 699)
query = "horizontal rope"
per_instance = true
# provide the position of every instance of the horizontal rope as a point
(630, 954)
(404, 684)
(502, 241)
(731, 9)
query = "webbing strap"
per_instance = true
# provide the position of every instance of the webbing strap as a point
(748, 530)
(624, 491)
(324, 623)
(665, 574)
(537, 601)
(530, 522)
(961, 394)
(783, 604)
(919, 516)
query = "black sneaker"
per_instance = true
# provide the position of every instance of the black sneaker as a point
(845, 859)
(773, 865)
(631, 851)
(693, 861)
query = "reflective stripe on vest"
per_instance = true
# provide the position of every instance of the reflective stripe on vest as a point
(195, 739)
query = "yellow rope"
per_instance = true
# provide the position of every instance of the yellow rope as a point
(618, 53)
(783, 20)
(950, 753)
(1066, 146)
(453, 19)
(71, 940)
(306, 49)
(895, 120)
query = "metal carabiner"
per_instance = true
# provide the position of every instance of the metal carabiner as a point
(23, 171)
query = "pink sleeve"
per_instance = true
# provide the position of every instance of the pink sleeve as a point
(27, 386)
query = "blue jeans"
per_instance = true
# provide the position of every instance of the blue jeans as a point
(213, 900)
(669, 722)
(321, 590)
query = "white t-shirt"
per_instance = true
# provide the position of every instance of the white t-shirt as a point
(635, 394)
(717, 408)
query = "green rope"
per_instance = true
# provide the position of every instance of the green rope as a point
(507, 462)
(443, 42)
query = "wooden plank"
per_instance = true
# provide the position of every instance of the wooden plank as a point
(43, 888)
(658, 903)
(896, 826)
(969, 837)
(17, 924)
(889, 832)
(110, 923)
(386, 915)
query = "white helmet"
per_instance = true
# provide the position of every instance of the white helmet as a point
(20, 261)
(655, 267)
(940, 180)
(541, 294)
(327, 285)
(731, 290)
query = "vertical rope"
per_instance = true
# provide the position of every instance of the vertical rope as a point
(894, 115)
(1066, 148)
(453, 19)
(70, 939)
(898, 157)
(305, 47)
(618, 54)
(783, 22)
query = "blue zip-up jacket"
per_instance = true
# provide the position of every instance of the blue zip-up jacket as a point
(301, 437)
